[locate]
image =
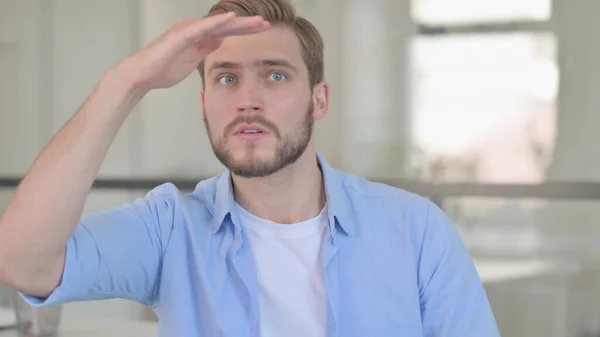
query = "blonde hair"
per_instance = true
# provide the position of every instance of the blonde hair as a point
(281, 12)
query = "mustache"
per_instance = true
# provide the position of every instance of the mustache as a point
(252, 119)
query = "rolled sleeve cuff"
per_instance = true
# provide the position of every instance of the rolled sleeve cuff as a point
(78, 275)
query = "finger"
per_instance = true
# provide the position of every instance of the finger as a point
(240, 28)
(197, 27)
(191, 28)
(239, 25)
(214, 21)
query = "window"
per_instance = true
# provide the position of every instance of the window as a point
(482, 100)
(479, 11)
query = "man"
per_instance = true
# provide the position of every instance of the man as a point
(281, 244)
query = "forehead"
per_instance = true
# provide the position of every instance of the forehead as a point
(277, 42)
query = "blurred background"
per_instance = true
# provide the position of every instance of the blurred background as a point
(489, 107)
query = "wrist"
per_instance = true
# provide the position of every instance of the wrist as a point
(122, 90)
(121, 79)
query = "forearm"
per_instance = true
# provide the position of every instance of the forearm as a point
(47, 205)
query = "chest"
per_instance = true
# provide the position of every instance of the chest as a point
(360, 291)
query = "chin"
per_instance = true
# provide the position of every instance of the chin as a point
(252, 152)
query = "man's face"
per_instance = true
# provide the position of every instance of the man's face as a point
(258, 106)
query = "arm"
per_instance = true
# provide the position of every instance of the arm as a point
(47, 205)
(453, 299)
(117, 253)
(37, 225)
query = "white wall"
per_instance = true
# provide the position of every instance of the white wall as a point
(18, 116)
(376, 35)
(577, 153)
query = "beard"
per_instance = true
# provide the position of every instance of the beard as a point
(288, 149)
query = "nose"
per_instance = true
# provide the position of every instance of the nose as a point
(249, 98)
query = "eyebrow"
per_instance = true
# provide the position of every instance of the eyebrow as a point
(261, 63)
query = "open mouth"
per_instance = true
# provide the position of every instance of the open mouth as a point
(251, 132)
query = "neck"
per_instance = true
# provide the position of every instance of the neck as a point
(294, 194)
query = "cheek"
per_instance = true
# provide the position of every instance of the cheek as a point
(215, 123)
(291, 108)
(217, 112)
(287, 101)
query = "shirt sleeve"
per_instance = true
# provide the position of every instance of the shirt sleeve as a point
(117, 253)
(453, 299)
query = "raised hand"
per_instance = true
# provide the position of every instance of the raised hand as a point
(175, 54)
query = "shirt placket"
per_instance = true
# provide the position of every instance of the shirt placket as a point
(331, 285)
(243, 264)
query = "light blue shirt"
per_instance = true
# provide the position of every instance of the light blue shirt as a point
(393, 263)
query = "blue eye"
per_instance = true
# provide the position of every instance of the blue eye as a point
(227, 79)
(277, 77)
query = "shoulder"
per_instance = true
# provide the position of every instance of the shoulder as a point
(398, 213)
(364, 190)
(166, 190)
(168, 204)
(205, 191)
(390, 209)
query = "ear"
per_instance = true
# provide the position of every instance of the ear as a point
(320, 99)
(202, 103)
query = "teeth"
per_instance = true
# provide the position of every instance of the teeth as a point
(251, 131)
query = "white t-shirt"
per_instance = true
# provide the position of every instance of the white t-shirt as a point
(292, 300)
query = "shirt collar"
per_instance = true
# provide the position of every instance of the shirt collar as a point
(339, 212)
